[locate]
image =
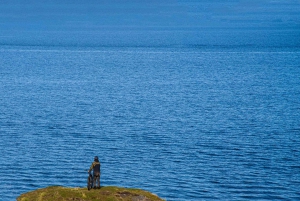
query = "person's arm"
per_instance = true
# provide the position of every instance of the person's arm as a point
(92, 166)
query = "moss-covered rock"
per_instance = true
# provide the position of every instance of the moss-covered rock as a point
(108, 193)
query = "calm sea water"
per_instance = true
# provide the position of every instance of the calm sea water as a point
(183, 123)
(189, 100)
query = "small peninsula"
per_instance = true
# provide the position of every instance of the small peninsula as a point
(107, 193)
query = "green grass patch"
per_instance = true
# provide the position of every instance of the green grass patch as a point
(107, 193)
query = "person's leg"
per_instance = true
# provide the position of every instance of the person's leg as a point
(94, 181)
(99, 181)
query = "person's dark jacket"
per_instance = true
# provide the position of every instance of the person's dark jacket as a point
(95, 167)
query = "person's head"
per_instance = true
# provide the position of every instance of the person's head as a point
(96, 158)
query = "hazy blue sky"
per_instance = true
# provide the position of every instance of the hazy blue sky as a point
(24, 20)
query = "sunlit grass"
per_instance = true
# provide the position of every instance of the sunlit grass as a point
(108, 193)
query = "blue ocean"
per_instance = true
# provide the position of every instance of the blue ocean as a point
(188, 100)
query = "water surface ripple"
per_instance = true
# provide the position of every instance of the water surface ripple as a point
(186, 124)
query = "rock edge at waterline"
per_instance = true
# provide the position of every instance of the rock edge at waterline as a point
(107, 193)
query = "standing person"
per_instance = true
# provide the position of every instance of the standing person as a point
(96, 172)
